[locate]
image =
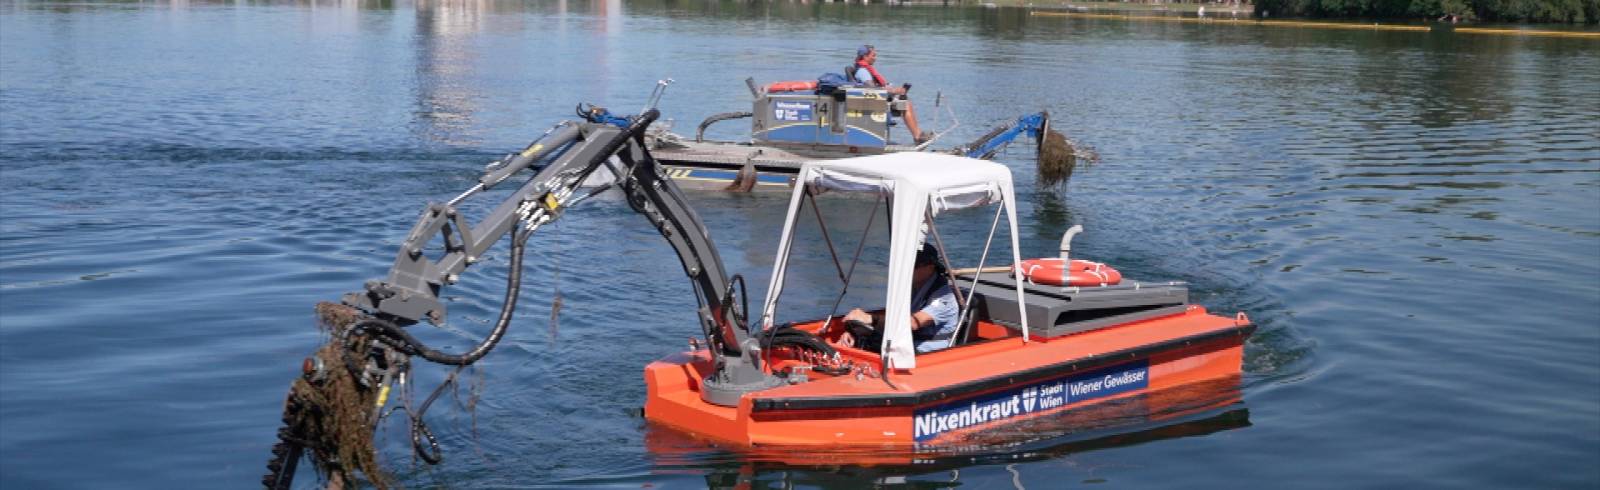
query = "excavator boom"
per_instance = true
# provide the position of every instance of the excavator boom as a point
(374, 350)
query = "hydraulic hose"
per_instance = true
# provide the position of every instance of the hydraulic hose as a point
(423, 442)
(700, 133)
(397, 337)
(430, 454)
(403, 340)
(297, 437)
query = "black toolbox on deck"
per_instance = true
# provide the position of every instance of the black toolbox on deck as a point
(1054, 311)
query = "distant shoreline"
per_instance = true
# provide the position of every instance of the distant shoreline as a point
(1325, 24)
(1309, 10)
(1136, 7)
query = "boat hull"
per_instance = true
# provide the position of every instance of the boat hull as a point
(956, 393)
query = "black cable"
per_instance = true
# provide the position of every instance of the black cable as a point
(741, 315)
(400, 339)
(419, 429)
(835, 371)
(787, 336)
(396, 337)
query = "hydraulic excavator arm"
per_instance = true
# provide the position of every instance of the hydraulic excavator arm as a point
(372, 351)
(576, 150)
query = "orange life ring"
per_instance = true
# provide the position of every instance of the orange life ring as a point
(792, 86)
(1050, 271)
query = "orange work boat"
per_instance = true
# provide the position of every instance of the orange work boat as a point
(954, 352)
(1020, 349)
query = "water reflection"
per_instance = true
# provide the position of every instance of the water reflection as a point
(455, 76)
(446, 59)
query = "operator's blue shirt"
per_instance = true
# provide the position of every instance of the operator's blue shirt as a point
(938, 300)
(864, 77)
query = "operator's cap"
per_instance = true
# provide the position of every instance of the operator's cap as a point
(863, 51)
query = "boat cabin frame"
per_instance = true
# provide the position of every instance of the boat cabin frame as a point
(918, 187)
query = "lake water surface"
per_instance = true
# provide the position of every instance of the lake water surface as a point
(1412, 219)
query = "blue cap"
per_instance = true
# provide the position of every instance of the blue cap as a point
(864, 50)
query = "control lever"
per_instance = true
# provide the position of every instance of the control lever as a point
(655, 95)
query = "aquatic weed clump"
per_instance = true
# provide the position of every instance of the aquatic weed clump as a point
(1059, 156)
(331, 414)
(333, 411)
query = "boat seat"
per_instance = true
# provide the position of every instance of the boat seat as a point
(965, 335)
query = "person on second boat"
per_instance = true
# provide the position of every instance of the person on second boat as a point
(934, 310)
(865, 74)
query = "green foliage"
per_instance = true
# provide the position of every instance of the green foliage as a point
(1571, 11)
(1439, 8)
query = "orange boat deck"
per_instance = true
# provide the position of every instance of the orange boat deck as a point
(994, 377)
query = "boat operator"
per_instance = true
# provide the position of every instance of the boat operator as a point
(934, 310)
(863, 73)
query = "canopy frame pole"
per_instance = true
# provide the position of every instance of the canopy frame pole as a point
(1016, 274)
(812, 197)
(978, 274)
(961, 303)
(780, 266)
(872, 217)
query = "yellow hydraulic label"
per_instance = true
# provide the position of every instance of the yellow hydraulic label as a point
(532, 149)
(383, 396)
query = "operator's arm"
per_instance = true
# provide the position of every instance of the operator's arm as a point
(919, 319)
(940, 311)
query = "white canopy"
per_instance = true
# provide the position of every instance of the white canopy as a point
(920, 183)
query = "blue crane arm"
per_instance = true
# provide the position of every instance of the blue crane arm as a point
(1033, 125)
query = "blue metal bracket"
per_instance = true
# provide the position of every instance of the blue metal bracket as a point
(1032, 124)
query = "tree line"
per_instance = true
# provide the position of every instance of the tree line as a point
(1569, 11)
